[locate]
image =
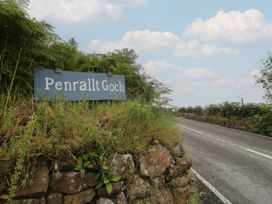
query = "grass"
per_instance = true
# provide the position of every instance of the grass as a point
(61, 129)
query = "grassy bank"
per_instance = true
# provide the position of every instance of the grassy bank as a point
(52, 132)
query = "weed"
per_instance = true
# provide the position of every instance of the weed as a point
(195, 198)
(97, 163)
(22, 149)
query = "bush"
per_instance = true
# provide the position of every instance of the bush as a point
(250, 117)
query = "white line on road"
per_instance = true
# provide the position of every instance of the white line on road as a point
(259, 153)
(212, 188)
(229, 143)
(237, 130)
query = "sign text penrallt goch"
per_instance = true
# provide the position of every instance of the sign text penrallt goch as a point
(74, 86)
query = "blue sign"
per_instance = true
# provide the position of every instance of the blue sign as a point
(74, 86)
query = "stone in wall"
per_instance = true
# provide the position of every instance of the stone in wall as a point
(71, 182)
(180, 194)
(30, 201)
(54, 198)
(142, 201)
(161, 195)
(138, 188)
(121, 198)
(36, 184)
(181, 166)
(155, 162)
(158, 179)
(179, 182)
(122, 165)
(104, 201)
(80, 198)
(116, 188)
(178, 150)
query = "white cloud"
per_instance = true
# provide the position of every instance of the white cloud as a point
(147, 40)
(74, 11)
(235, 82)
(202, 38)
(164, 71)
(113, 10)
(161, 65)
(196, 49)
(171, 72)
(234, 26)
(198, 73)
(136, 2)
(139, 40)
(193, 86)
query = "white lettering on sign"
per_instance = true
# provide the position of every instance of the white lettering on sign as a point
(47, 83)
(88, 85)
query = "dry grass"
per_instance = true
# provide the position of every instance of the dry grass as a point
(62, 129)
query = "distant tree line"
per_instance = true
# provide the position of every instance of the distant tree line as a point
(251, 117)
(26, 43)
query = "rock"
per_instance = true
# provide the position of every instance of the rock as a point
(161, 196)
(179, 182)
(67, 165)
(71, 182)
(54, 198)
(104, 201)
(116, 188)
(180, 194)
(36, 183)
(178, 150)
(181, 166)
(122, 165)
(30, 201)
(155, 162)
(121, 198)
(142, 201)
(80, 198)
(158, 181)
(138, 188)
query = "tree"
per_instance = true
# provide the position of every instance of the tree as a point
(23, 45)
(265, 79)
(26, 43)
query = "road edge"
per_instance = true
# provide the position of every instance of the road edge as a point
(212, 188)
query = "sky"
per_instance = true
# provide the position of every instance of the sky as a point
(206, 51)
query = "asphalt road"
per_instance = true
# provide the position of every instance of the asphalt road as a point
(238, 164)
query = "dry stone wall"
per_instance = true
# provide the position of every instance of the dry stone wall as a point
(158, 176)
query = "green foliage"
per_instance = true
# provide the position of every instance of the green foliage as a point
(265, 79)
(97, 163)
(136, 124)
(20, 34)
(195, 198)
(83, 162)
(251, 117)
(105, 177)
(21, 150)
(63, 129)
(38, 46)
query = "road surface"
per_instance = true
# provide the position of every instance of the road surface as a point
(238, 164)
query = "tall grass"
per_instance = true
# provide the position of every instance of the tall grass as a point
(11, 83)
(63, 129)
